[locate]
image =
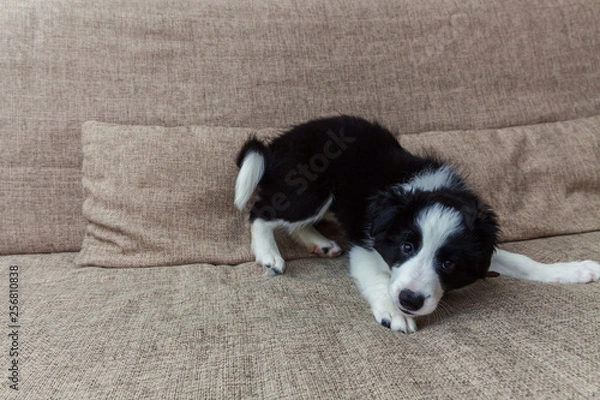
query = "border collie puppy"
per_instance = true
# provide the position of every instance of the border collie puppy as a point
(415, 229)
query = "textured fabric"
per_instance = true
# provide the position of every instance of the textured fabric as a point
(417, 66)
(159, 196)
(541, 180)
(219, 332)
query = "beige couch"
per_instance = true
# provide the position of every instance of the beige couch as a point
(509, 89)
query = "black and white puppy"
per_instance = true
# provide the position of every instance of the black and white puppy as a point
(415, 229)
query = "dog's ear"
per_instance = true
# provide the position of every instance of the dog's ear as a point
(383, 208)
(482, 220)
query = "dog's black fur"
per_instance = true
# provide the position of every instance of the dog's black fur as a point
(362, 165)
(415, 229)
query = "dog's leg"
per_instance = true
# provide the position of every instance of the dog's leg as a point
(522, 267)
(264, 246)
(314, 241)
(372, 275)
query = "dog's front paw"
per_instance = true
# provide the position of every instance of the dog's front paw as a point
(390, 317)
(579, 272)
(275, 264)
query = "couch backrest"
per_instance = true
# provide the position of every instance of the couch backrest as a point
(414, 66)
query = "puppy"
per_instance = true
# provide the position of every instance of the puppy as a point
(415, 229)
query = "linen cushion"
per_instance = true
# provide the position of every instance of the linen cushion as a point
(542, 180)
(164, 196)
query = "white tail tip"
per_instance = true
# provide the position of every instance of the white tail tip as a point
(251, 172)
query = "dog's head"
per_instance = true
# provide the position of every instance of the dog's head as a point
(433, 241)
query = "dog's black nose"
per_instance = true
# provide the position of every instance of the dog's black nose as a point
(410, 300)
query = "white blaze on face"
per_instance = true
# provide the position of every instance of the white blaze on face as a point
(418, 274)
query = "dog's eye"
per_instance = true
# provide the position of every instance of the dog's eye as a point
(408, 248)
(448, 266)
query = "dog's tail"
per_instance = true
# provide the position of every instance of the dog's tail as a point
(252, 161)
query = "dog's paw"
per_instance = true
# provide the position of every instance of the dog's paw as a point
(578, 272)
(275, 264)
(390, 317)
(328, 249)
